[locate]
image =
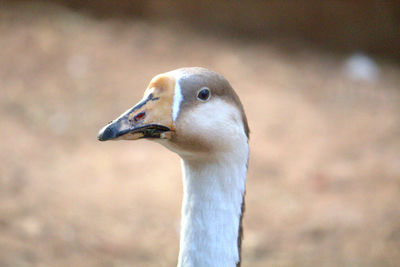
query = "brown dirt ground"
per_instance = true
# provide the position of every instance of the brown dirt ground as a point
(324, 178)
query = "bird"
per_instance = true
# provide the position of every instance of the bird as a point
(195, 113)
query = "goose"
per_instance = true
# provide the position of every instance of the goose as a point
(195, 113)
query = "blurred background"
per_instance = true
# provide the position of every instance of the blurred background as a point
(320, 82)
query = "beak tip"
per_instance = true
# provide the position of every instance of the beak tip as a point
(100, 137)
(107, 133)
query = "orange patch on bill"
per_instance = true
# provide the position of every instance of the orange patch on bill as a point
(159, 110)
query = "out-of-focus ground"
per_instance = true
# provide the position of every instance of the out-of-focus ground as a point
(324, 176)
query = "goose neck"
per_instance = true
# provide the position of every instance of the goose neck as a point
(212, 211)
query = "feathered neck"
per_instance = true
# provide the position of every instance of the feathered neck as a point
(212, 210)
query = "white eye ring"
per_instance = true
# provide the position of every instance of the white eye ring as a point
(204, 94)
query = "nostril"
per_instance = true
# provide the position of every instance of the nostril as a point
(140, 116)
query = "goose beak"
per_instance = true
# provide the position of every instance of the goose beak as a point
(150, 118)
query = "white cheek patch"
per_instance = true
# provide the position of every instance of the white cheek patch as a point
(177, 99)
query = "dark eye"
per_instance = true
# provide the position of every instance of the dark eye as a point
(204, 94)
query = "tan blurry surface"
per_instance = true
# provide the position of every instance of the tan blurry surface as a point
(324, 177)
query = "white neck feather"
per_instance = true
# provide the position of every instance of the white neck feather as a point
(211, 210)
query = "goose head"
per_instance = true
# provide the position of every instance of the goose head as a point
(191, 111)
